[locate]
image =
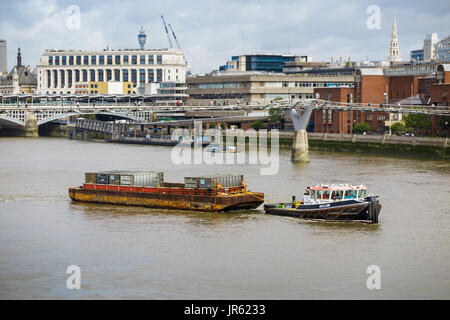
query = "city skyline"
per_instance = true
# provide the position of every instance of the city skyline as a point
(211, 31)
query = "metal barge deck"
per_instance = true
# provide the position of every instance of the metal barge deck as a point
(167, 197)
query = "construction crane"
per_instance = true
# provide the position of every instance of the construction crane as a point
(178, 45)
(167, 31)
(174, 36)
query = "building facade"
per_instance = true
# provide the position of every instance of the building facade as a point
(3, 56)
(417, 55)
(253, 87)
(59, 71)
(443, 50)
(20, 80)
(261, 62)
(429, 47)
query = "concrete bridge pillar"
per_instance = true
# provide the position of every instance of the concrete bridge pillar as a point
(31, 125)
(300, 152)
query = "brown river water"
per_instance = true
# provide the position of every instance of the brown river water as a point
(132, 252)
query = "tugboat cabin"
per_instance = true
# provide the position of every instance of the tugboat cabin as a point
(333, 193)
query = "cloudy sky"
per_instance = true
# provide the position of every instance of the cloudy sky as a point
(211, 31)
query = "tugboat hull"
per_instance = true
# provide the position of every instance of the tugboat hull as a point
(366, 211)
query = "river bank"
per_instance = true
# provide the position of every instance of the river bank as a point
(391, 145)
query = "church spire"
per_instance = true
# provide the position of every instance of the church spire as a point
(19, 58)
(394, 51)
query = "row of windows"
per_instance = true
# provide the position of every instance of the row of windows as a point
(102, 60)
(89, 75)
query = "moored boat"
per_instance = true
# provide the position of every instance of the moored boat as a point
(341, 202)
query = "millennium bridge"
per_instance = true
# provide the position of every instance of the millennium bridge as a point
(26, 113)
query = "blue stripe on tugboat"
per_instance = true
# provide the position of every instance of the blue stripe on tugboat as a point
(341, 202)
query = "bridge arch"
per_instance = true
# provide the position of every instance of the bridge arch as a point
(10, 120)
(71, 114)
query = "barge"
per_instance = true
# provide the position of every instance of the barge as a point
(210, 193)
(331, 203)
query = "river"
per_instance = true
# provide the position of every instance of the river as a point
(132, 252)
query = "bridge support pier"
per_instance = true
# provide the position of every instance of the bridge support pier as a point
(31, 125)
(300, 152)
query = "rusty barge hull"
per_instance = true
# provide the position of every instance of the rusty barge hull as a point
(208, 203)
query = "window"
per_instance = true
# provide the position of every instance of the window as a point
(117, 59)
(109, 60)
(50, 61)
(159, 75)
(57, 61)
(85, 75)
(125, 59)
(92, 75)
(116, 75)
(142, 59)
(133, 59)
(93, 60)
(100, 76)
(125, 74)
(70, 60)
(108, 75)
(85, 60)
(142, 75)
(151, 76)
(78, 59)
(134, 76)
(158, 59)
(63, 60)
(101, 60)
(150, 59)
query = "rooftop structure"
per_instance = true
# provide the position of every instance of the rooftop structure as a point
(142, 38)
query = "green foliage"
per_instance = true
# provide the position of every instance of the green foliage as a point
(275, 115)
(277, 99)
(418, 121)
(361, 127)
(398, 127)
(256, 125)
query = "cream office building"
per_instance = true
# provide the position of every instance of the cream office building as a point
(59, 70)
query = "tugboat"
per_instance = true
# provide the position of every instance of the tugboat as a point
(341, 202)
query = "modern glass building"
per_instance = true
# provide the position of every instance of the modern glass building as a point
(443, 50)
(3, 56)
(258, 62)
(417, 55)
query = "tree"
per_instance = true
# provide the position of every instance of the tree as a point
(256, 124)
(361, 127)
(275, 115)
(398, 128)
(418, 121)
